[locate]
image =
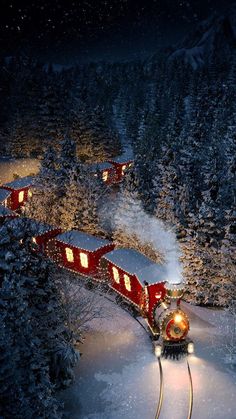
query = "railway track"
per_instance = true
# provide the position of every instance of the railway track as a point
(161, 391)
(108, 297)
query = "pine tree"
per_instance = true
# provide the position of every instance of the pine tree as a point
(94, 191)
(30, 317)
(43, 206)
(127, 214)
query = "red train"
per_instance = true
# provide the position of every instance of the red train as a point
(131, 275)
(18, 192)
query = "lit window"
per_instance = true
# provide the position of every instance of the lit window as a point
(116, 274)
(83, 260)
(127, 282)
(105, 175)
(123, 169)
(69, 254)
(21, 196)
(5, 203)
(33, 239)
(30, 193)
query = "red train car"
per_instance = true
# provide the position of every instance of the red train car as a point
(5, 197)
(106, 170)
(6, 213)
(78, 251)
(20, 191)
(43, 233)
(121, 164)
(136, 277)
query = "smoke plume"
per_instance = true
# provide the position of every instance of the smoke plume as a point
(131, 218)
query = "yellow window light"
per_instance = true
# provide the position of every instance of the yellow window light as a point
(33, 239)
(84, 260)
(127, 282)
(30, 193)
(116, 274)
(105, 175)
(69, 254)
(21, 196)
(123, 169)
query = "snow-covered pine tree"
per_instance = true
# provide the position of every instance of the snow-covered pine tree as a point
(127, 215)
(32, 318)
(71, 202)
(95, 141)
(119, 107)
(19, 143)
(167, 195)
(10, 393)
(67, 163)
(43, 206)
(94, 192)
(147, 151)
(55, 106)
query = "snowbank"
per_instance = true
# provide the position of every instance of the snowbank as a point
(118, 374)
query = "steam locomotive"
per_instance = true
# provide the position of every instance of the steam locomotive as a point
(133, 277)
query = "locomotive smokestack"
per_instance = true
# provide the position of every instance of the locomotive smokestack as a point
(174, 291)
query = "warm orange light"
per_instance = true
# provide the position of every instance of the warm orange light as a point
(178, 318)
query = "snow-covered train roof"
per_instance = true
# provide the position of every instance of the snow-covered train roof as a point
(137, 264)
(152, 274)
(6, 212)
(121, 160)
(4, 194)
(124, 158)
(82, 240)
(20, 183)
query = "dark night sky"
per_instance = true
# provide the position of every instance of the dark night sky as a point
(65, 31)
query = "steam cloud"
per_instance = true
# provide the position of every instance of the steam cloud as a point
(134, 220)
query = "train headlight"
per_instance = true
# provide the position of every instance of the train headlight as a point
(178, 318)
(190, 348)
(158, 350)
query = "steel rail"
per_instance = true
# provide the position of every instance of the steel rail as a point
(160, 400)
(190, 411)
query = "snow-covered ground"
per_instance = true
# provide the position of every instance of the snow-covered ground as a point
(21, 167)
(118, 376)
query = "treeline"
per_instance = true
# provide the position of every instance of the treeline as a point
(38, 106)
